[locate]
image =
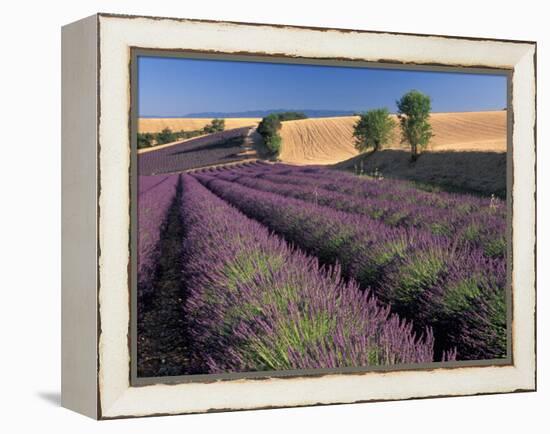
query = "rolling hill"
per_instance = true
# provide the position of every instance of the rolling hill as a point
(330, 140)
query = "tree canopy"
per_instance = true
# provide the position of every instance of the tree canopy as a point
(269, 129)
(374, 129)
(413, 111)
(215, 126)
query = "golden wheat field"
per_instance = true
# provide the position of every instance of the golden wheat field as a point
(330, 140)
(154, 125)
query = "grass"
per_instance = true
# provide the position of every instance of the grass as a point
(471, 172)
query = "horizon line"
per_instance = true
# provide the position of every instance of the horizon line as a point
(194, 115)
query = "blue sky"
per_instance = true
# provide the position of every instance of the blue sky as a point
(177, 86)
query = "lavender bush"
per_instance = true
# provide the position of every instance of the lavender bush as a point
(470, 220)
(477, 228)
(273, 267)
(215, 148)
(155, 194)
(415, 271)
(254, 303)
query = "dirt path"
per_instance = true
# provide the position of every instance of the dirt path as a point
(248, 146)
(162, 346)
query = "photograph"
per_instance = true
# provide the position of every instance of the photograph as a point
(289, 217)
(298, 216)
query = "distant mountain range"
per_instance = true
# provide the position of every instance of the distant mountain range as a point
(311, 113)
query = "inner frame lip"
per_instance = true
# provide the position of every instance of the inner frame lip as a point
(388, 64)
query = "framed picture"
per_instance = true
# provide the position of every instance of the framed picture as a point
(262, 216)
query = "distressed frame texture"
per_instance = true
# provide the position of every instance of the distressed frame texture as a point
(96, 350)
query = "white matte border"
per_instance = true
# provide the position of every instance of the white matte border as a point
(117, 35)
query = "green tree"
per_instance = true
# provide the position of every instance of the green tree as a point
(215, 126)
(144, 140)
(269, 128)
(413, 111)
(218, 124)
(166, 136)
(273, 144)
(269, 125)
(290, 116)
(374, 129)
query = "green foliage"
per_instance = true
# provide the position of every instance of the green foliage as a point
(290, 116)
(166, 136)
(413, 111)
(269, 126)
(421, 272)
(145, 140)
(472, 232)
(495, 247)
(273, 144)
(216, 126)
(246, 267)
(188, 134)
(374, 129)
(269, 129)
(462, 300)
(396, 218)
(380, 257)
(461, 296)
(440, 228)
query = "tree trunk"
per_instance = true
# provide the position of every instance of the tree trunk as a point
(414, 155)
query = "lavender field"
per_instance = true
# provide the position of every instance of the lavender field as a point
(259, 267)
(216, 148)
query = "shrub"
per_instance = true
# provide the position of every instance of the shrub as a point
(264, 305)
(269, 129)
(166, 136)
(269, 125)
(290, 116)
(216, 126)
(446, 282)
(182, 134)
(144, 140)
(273, 144)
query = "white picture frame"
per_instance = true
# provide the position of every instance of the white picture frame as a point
(96, 162)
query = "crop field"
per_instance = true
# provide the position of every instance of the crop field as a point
(155, 195)
(155, 125)
(259, 266)
(330, 140)
(210, 149)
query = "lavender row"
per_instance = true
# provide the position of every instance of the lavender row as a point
(428, 279)
(389, 189)
(210, 149)
(146, 183)
(477, 229)
(155, 193)
(254, 303)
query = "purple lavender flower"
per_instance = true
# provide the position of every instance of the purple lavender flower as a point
(255, 303)
(154, 196)
(411, 266)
